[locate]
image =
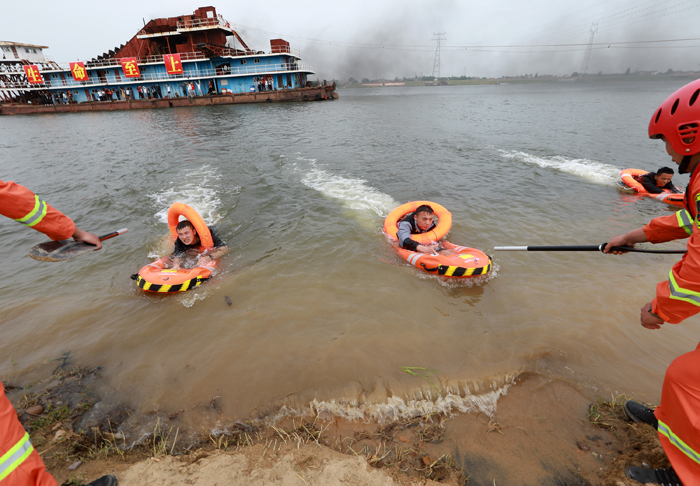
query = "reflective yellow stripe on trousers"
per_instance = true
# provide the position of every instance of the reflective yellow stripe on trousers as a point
(15, 456)
(676, 441)
(36, 214)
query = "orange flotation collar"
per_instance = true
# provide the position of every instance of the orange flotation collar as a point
(182, 209)
(443, 227)
(154, 277)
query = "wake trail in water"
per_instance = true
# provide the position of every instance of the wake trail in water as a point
(590, 170)
(353, 193)
(198, 188)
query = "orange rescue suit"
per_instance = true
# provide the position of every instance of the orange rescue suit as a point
(20, 464)
(19, 203)
(677, 299)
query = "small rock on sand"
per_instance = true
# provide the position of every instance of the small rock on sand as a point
(35, 410)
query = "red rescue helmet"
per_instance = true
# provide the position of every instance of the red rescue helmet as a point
(678, 120)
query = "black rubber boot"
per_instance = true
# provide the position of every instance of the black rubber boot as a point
(108, 480)
(637, 412)
(664, 477)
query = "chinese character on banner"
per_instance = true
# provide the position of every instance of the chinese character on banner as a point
(130, 67)
(33, 74)
(172, 63)
(78, 71)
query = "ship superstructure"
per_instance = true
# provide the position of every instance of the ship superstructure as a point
(186, 57)
(13, 57)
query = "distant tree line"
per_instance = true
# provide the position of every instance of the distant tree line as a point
(575, 74)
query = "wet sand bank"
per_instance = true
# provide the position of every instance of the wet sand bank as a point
(545, 432)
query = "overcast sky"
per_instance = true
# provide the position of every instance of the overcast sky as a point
(395, 38)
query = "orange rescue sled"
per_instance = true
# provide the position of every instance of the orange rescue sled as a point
(667, 196)
(467, 262)
(154, 277)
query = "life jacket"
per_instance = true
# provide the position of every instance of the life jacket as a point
(415, 230)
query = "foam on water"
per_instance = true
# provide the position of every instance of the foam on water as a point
(197, 188)
(400, 408)
(480, 396)
(591, 170)
(188, 299)
(396, 408)
(353, 193)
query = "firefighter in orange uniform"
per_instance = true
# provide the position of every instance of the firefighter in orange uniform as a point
(20, 464)
(19, 203)
(677, 419)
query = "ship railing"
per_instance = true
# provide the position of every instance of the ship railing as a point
(219, 21)
(185, 56)
(275, 50)
(12, 68)
(70, 83)
(264, 68)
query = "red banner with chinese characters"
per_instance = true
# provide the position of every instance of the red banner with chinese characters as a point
(33, 74)
(130, 67)
(78, 71)
(172, 63)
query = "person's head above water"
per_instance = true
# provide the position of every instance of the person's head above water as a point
(187, 233)
(663, 176)
(423, 216)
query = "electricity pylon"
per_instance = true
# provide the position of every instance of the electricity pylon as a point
(436, 64)
(587, 56)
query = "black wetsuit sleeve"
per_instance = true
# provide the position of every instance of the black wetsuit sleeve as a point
(649, 183)
(410, 244)
(404, 236)
(672, 188)
(218, 242)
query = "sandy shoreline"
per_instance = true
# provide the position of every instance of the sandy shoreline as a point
(544, 432)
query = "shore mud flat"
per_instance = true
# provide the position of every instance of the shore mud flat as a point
(545, 432)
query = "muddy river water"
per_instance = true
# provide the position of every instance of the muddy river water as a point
(324, 317)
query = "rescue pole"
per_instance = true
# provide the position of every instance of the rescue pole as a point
(583, 248)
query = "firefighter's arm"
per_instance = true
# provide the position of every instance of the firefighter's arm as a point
(667, 228)
(19, 203)
(628, 239)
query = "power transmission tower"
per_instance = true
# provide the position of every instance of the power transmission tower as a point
(436, 64)
(587, 56)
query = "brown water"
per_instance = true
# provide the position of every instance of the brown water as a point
(325, 318)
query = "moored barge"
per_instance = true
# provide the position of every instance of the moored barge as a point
(191, 60)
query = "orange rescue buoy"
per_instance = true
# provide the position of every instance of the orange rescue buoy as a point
(391, 223)
(182, 209)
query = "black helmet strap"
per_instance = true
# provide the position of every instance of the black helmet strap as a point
(683, 168)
